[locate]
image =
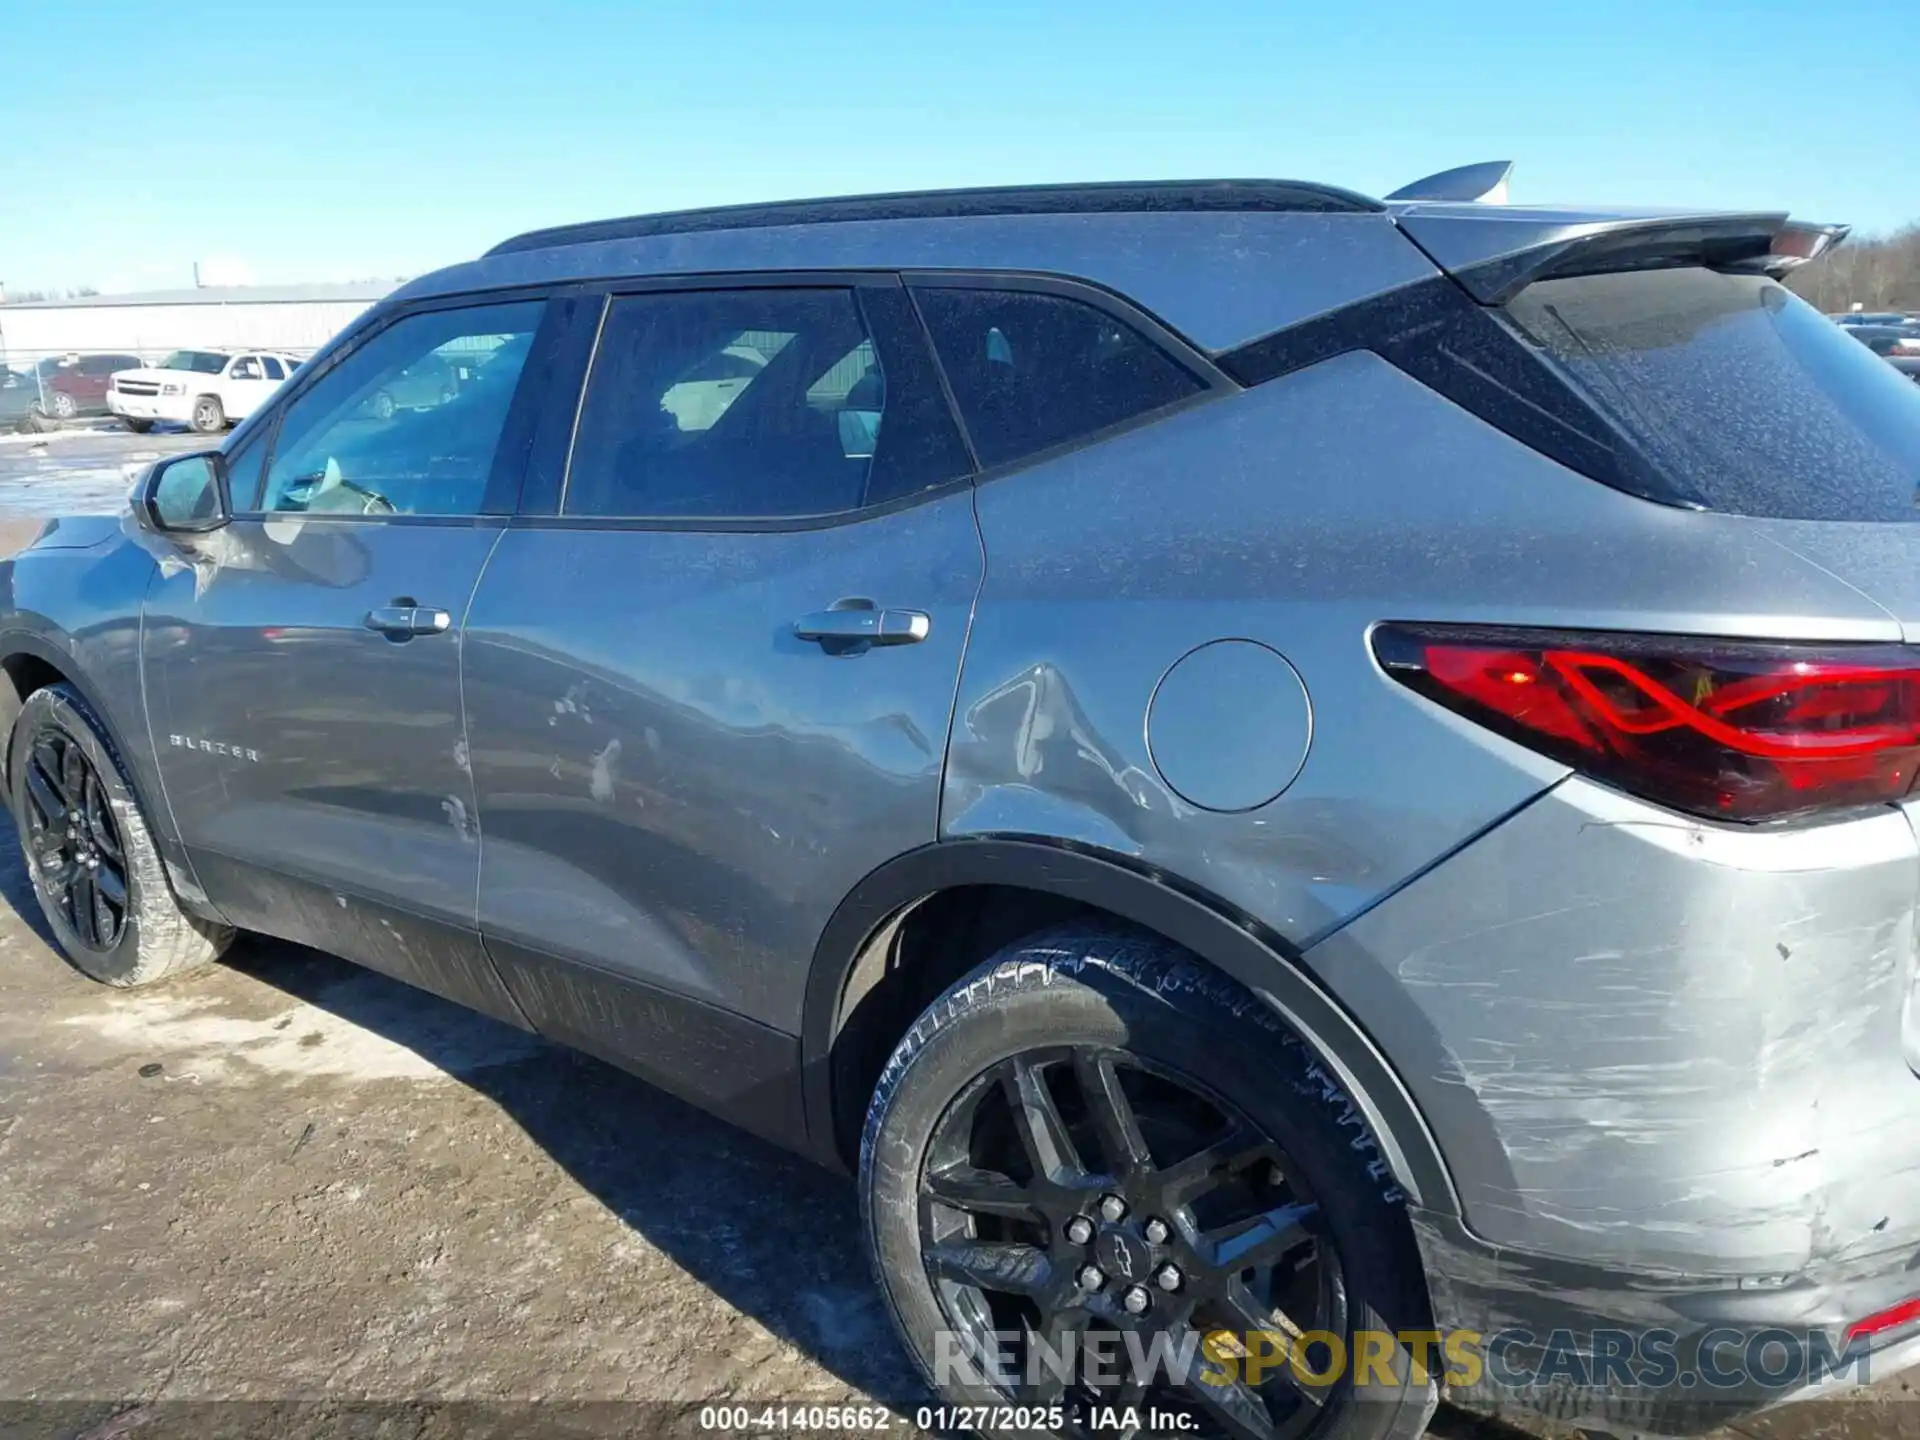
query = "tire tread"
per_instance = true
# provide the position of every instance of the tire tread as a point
(168, 940)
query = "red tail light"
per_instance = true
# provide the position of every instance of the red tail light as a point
(1881, 1321)
(1723, 728)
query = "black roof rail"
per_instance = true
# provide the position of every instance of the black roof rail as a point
(1106, 198)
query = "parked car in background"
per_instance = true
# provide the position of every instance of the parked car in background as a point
(421, 386)
(19, 396)
(1886, 340)
(1869, 317)
(207, 389)
(79, 386)
(1907, 365)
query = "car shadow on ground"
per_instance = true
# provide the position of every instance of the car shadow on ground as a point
(773, 1235)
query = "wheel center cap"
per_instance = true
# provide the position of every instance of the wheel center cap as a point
(1123, 1255)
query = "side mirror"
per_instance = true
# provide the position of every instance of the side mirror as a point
(187, 494)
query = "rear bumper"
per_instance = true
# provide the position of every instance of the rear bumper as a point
(1668, 1067)
(1666, 1355)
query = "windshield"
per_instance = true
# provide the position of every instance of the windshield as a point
(1745, 397)
(206, 362)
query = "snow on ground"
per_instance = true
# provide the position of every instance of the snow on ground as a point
(78, 471)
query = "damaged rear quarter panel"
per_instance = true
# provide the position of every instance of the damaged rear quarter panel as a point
(1298, 514)
(1658, 1043)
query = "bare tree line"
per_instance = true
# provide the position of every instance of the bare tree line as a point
(1876, 274)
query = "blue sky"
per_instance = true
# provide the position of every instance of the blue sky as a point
(295, 141)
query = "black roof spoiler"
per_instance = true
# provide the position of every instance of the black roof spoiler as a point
(1497, 252)
(1485, 182)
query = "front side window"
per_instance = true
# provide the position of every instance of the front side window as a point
(732, 403)
(247, 367)
(1031, 371)
(243, 468)
(1740, 394)
(343, 451)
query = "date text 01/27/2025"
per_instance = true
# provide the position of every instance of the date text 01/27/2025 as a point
(869, 1420)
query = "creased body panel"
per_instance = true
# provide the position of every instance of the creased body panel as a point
(1298, 515)
(676, 789)
(74, 600)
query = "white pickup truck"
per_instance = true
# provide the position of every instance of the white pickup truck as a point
(207, 389)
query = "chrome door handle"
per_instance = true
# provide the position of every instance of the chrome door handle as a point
(398, 622)
(864, 625)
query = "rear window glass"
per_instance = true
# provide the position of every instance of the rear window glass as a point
(1739, 393)
(1032, 371)
(204, 362)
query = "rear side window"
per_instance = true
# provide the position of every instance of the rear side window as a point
(751, 404)
(274, 370)
(1030, 370)
(1740, 394)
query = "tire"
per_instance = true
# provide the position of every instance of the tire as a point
(1176, 1039)
(208, 415)
(138, 427)
(153, 938)
(62, 405)
(383, 406)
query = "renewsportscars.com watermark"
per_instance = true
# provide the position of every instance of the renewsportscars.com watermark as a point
(1515, 1359)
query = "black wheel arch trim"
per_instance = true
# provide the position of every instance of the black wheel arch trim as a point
(15, 643)
(143, 778)
(1239, 947)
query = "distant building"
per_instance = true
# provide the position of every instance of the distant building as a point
(297, 318)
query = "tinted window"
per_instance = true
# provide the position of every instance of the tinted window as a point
(745, 404)
(243, 470)
(1737, 392)
(274, 370)
(1030, 371)
(339, 453)
(204, 362)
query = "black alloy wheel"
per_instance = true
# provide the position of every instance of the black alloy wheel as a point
(1082, 1189)
(79, 857)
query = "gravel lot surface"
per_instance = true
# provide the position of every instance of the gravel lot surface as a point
(289, 1197)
